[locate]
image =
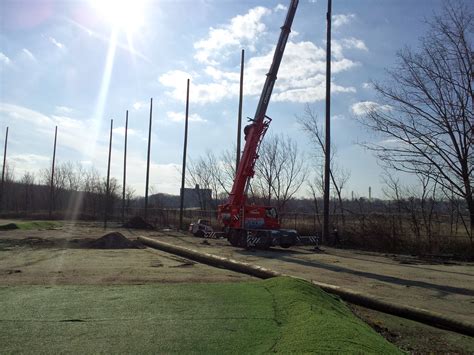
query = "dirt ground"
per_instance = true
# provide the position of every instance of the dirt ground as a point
(64, 256)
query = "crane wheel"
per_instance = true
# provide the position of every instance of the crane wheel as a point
(199, 234)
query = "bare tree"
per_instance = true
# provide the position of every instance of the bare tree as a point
(201, 174)
(426, 107)
(279, 172)
(339, 176)
(27, 182)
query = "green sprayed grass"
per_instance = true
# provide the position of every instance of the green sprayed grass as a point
(30, 225)
(276, 315)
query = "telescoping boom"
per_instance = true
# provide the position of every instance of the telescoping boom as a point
(250, 225)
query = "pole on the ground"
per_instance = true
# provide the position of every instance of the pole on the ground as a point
(124, 168)
(327, 152)
(239, 124)
(51, 186)
(183, 169)
(107, 189)
(3, 169)
(148, 161)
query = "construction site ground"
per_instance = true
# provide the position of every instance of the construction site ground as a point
(56, 256)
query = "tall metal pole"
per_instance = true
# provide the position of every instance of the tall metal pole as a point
(327, 165)
(239, 124)
(107, 189)
(148, 161)
(183, 173)
(4, 168)
(51, 187)
(124, 168)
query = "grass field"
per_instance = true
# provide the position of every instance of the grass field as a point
(276, 315)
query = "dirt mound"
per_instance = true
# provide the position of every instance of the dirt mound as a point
(8, 226)
(113, 240)
(137, 222)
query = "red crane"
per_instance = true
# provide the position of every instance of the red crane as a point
(250, 225)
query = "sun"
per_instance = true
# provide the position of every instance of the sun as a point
(126, 15)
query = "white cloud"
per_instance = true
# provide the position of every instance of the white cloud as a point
(180, 117)
(338, 117)
(338, 46)
(77, 134)
(121, 131)
(310, 93)
(364, 107)
(301, 77)
(203, 93)
(354, 43)
(22, 113)
(56, 43)
(63, 109)
(367, 86)
(341, 19)
(302, 74)
(29, 54)
(4, 59)
(31, 163)
(139, 105)
(280, 7)
(242, 31)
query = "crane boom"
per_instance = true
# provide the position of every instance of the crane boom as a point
(257, 129)
(250, 225)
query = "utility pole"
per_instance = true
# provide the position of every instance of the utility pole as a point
(327, 165)
(183, 172)
(51, 189)
(4, 168)
(148, 161)
(239, 124)
(107, 189)
(124, 168)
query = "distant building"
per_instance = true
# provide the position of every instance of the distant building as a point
(197, 198)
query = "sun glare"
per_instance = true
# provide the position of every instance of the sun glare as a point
(127, 15)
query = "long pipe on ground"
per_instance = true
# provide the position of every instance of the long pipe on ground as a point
(409, 312)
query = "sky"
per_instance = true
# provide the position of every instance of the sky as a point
(79, 64)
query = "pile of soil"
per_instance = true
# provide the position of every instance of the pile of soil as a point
(114, 240)
(8, 226)
(137, 222)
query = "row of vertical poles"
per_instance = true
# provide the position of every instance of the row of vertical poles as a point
(4, 168)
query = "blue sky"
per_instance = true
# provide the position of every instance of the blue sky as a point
(77, 64)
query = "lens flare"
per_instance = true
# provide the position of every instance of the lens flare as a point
(127, 15)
